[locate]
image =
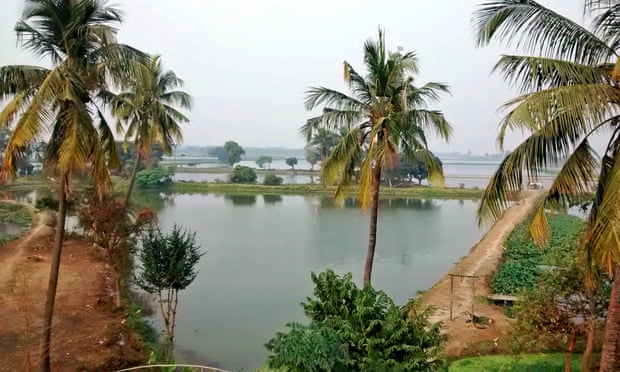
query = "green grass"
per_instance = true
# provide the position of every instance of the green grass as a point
(309, 189)
(516, 363)
(15, 214)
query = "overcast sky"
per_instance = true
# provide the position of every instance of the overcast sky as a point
(248, 63)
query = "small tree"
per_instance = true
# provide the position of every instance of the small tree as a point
(168, 266)
(272, 180)
(233, 152)
(262, 160)
(312, 156)
(291, 162)
(112, 227)
(243, 174)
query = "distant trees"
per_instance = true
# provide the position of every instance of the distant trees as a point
(313, 155)
(219, 153)
(406, 169)
(385, 114)
(291, 162)
(153, 178)
(262, 160)
(233, 152)
(324, 140)
(243, 174)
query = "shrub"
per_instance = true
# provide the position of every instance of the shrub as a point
(376, 334)
(153, 178)
(272, 180)
(243, 174)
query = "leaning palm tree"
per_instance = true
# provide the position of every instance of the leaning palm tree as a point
(570, 92)
(78, 36)
(385, 113)
(150, 110)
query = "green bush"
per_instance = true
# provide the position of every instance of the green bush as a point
(15, 213)
(376, 334)
(272, 180)
(243, 174)
(153, 178)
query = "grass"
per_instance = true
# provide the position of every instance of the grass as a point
(310, 189)
(15, 213)
(514, 363)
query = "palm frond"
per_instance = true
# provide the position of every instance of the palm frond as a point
(535, 73)
(331, 98)
(537, 29)
(20, 79)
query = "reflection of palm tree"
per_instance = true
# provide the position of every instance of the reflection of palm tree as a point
(386, 112)
(571, 93)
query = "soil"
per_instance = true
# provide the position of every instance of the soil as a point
(466, 338)
(87, 333)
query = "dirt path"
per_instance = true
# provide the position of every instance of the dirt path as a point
(481, 262)
(86, 333)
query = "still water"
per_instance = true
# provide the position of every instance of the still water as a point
(260, 251)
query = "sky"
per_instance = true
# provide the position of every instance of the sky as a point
(247, 63)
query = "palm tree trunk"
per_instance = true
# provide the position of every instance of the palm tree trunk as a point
(612, 327)
(44, 347)
(372, 237)
(132, 180)
(569, 350)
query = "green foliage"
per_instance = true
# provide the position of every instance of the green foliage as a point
(168, 260)
(233, 152)
(153, 178)
(15, 213)
(291, 162)
(168, 266)
(376, 333)
(519, 269)
(515, 363)
(412, 167)
(272, 179)
(218, 152)
(243, 174)
(313, 155)
(262, 160)
(308, 348)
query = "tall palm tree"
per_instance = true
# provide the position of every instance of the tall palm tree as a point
(149, 108)
(385, 113)
(324, 140)
(569, 92)
(78, 36)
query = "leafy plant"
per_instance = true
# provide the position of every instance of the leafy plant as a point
(153, 178)
(376, 334)
(243, 174)
(272, 179)
(168, 266)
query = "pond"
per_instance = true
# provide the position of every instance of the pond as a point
(260, 251)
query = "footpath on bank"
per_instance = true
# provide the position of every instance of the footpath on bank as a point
(469, 281)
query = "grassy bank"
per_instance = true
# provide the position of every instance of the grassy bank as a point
(308, 189)
(520, 363)
(16, 214)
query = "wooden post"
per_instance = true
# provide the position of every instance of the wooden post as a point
(451, 293)
(473, 297)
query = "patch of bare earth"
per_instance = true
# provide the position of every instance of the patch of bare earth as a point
(87, 334)
(466, 338)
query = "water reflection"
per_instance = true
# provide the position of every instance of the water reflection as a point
(241, 199)
(272, 199)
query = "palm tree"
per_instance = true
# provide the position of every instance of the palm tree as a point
(78, 36)
(386, 112)
(149, 109)
(569, 93)
(324, 140)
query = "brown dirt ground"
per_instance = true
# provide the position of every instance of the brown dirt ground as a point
(465, 338)
(87, 334)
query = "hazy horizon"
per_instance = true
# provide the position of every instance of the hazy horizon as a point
(248, 63)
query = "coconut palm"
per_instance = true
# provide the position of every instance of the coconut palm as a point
(385, 113)
(569, 92)
(324, 140)
(149, 108)
(78, 36)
